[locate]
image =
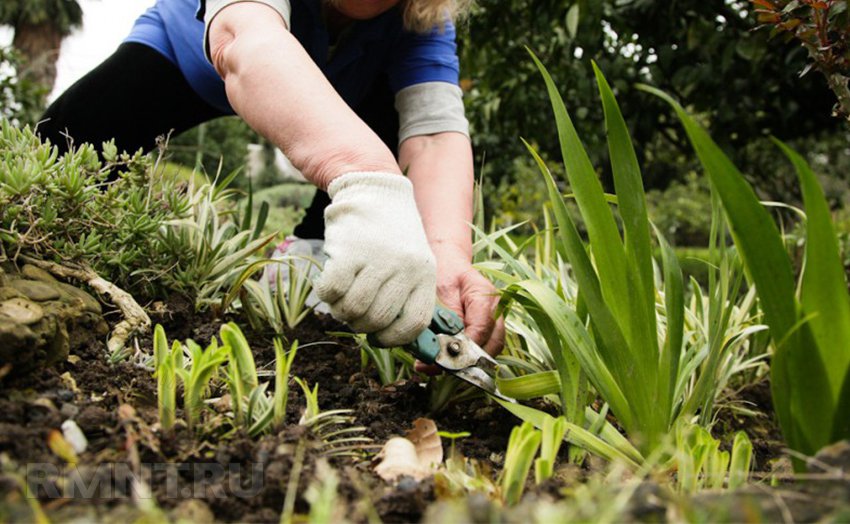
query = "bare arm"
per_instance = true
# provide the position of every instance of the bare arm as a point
(440, 167)
(273, 84)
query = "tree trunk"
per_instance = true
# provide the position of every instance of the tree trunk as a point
(38, 45)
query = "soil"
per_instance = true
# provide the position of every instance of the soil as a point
(230, 476)
(115, 407)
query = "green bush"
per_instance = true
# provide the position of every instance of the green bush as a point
(682, 212)
(117, 214)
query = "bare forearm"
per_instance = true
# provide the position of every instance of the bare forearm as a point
(276, 88)
(440, 167)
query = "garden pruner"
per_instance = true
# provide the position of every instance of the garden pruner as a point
(445, 344)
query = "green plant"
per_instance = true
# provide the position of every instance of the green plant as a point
(453, 437)
(283, 365)
(551, 436)
(810, 369)
(194, 366)
(253, 408)
(392, 364)
(203, 365)
(702, 464)
(334, 428)
(445, 389)
(323, 496)
(522, 446)
(609, 315)
(212, 249)
(279, 306)
(166, 361)
(123, 217)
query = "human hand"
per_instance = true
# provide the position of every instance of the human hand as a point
(462, 288)
(380, 274)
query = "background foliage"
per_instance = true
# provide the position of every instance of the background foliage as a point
(743, 86)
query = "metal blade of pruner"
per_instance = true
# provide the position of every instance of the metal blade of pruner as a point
(463, 358)
(445, 344)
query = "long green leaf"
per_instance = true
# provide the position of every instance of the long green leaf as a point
(530, 386)
(605, 240)
(802, 397)
(575, 435)
(241, 356)
(824, 290)
(631, 203)
(612, 343)
(547, 307)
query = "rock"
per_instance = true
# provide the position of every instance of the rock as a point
(35, 290)
(21, 311)
(833, 457)
(90, 304)
(193, 510)
(42, 320)
(36, 273)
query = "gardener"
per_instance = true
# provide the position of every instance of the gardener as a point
(339, 86)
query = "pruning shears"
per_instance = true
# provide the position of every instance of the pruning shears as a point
(445, 344)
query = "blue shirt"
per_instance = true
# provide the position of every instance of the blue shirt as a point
(371, 49)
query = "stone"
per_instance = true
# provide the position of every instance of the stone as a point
(833, 457)
(21, 311)
(36, 273)
(35, 290)
(90, 304)
(192, 510)
(42, 320)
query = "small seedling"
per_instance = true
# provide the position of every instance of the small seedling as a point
(334, 428)
(166, 382)
(552, 435)
(453, 437)
(522, 446)
(702, 464)
(203, 367)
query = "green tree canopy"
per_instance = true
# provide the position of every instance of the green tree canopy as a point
(704, 52)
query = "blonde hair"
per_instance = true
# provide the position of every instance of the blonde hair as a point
(423, 16)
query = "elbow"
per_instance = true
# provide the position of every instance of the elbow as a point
(221, 42)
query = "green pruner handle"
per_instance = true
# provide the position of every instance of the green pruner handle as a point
(444, 321)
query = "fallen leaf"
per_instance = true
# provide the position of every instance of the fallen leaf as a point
(429, 446)
(398, 458)
(60, 447)
(415, 456)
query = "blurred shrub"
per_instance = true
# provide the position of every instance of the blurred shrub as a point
(287, 203)
(682, 211)
(20, 99)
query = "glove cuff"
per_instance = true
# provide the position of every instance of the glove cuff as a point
(380, 181)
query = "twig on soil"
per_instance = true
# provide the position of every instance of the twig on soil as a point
(136, 321)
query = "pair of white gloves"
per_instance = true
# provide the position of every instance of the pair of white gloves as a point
(380, 276)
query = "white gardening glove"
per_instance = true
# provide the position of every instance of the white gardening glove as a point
(380, 276)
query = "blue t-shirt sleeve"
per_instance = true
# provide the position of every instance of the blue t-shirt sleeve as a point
(421, 58)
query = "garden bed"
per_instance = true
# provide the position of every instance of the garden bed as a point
(233, 477)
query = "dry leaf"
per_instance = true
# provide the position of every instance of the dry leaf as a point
(414, 456)
(60, 447)
(398, 457)
(429, 446)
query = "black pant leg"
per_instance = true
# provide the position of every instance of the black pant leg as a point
(378, 112)
(134, 96)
